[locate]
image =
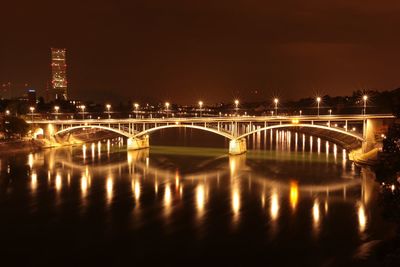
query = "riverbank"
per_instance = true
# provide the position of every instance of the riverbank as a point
(32, 145)
(21, 146)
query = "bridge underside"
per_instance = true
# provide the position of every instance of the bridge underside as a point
(346, 141)
(87, 135)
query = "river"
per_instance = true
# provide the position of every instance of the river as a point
(291, 200)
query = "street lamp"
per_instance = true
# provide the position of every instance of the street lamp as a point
(7, 112)
(136, 106)
(276, 101)
(236, 105)
(32, 109)
(83, 111)
(330, 112)
(300, 112)
(200, 107)
(365, 98)
(167, 108)
(108, 107)
(318, 102)
(56, 109)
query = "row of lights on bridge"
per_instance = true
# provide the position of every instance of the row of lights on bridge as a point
(201, 103)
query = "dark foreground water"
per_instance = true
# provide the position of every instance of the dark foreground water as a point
(290, 203)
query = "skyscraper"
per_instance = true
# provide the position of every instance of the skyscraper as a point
(31, 96)
(59, 73)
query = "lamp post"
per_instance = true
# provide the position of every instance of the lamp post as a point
(32, 109)
(136, 106)
(236, 106)
(7, 112)
(276, 101)
(330, 112)
(318, 102)
(167, 108)
(83, 111)
(108, 107)
(56, 109)
(365, 98)
(300, 112)
(201, 107)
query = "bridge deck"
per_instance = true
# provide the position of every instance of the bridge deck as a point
(303, 118)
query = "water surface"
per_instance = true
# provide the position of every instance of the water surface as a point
(291, 200)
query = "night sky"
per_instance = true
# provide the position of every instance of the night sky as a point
(183, 51)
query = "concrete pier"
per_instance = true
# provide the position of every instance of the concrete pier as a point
(372, 131)
(237, 146)
(136, 143)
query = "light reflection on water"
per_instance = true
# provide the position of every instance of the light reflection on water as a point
(33, 181)
(138, 164)
(167, 200)
(235, 202)
(58, 182)
(109, 189)
(294, 194)
(274, 207)
(84, 187)
(362, 219)
(200, 199)
(136, 189)
(316, 216)
(201, 187)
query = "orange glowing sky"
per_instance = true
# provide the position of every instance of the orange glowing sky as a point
(183, 51)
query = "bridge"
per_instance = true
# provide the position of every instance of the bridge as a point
(349, 131)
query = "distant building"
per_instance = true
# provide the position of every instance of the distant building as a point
(6, 90)
(59, 73)
(32, 96)
(11, 90)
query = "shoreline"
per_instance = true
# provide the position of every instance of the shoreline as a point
(18, 146)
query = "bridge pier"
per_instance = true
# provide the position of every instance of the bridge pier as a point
(138, 143)
(371, 134)
(237, 146)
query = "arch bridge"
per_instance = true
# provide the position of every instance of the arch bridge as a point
(348, 131)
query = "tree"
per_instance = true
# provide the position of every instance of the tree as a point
(391, 144)
(14, 126)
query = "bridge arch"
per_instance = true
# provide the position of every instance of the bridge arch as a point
(70, 129)
(336, 135)
(207, 129)
(340, 136)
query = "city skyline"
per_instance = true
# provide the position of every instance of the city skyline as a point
(214, 51)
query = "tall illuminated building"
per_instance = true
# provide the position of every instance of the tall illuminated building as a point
(59, 73)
